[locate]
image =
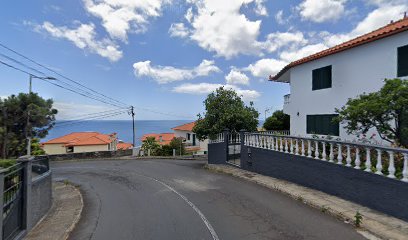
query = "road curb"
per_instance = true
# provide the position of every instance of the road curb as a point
(375, 225)
(63, 216)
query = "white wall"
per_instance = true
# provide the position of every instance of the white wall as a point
(91, 148)
(202, 144)
(354, 71)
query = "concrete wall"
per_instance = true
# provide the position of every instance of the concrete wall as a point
(374, 191)
(55, 148)
(91, 148)
(90, 155)
(41, 199)
(354, 71)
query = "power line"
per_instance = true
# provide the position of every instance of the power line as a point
(101, 114)
(55, 72)
(90, 119)
(70, 85)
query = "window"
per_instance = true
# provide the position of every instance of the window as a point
(322, 78)
(403, 61)
(322, 125)
(70, 149)
(188, 136)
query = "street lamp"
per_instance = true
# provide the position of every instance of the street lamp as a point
(28, 131)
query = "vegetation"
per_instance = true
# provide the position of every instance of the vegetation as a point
(167, 150)
(6, 163)
(152, 144)
(14, 127)
(225, 110)
(385, 110)
(278, 121)
(358, 219)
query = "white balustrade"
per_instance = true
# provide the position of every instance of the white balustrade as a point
(357, 161)
(348, 158)
(296, 146)
(339, 154)
(379, 167)
(317, 150)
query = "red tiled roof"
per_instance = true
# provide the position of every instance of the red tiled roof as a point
(166, 137)
(386, 31)
(83, 138)
(185, 127)
(124, 146)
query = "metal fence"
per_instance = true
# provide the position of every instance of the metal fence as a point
(20, 210)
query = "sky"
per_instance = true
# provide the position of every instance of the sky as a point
(165, 56)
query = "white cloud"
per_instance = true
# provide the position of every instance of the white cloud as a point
(278, 40)
(237, 77)
(167, 74)
(279, 17)
(206, 88)
(178, 30)
(322, 10)
(265, 67)
(292, 55)
(121, 16)
(84, 37)
(220, 27)
(374, 20)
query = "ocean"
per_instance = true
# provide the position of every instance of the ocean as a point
(122, 127)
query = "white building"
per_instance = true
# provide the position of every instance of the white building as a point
(192, 143)
(324, 81)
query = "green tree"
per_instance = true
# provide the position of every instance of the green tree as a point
(177, 143)
(150, 143)
(385, 110)
(278, 121)
(225, 109)
(15, 128)
(36, 147)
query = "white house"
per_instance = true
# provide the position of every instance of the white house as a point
(192, 143)
(324, 81)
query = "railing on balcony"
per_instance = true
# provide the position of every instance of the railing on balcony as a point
(381, 160)
(286, 99)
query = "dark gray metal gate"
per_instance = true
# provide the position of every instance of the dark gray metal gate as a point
(13, 202)
(234, 148)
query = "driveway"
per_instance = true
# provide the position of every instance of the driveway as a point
(175, 199)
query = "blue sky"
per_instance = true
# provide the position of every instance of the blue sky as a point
(167, 55)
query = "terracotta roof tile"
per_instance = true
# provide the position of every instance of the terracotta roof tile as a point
(124, 146)
(185, 127)
(83, 138)
(166, 137)
(386, 31)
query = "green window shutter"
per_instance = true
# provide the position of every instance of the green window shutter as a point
(403, 61)
(322, 125)
(322, 78)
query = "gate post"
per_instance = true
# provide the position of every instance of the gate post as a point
(26, 162)
(2, 171)
(242, 138)
(226, 144)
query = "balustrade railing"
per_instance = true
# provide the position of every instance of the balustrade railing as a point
(218, 138)
(381, 160)
(276, 132)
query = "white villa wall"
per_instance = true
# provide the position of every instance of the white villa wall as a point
(91, 148)
(202, 144)
(54, 149)
(354, 71)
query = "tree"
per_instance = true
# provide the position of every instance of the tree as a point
(225, 109)
(177, 144)
(278, 121)
(150, 143)
(15, 128)
(385, 110)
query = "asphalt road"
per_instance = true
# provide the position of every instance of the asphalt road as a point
(169, 199)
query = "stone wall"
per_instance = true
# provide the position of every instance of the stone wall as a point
(90, 155)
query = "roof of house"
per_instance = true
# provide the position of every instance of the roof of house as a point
(386, 31)
(185, 127)
(165, 137)
(83, 139)
(124, 146)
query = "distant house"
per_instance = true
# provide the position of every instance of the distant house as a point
(81, 142)
(324, 81)
(124, 146)
(192, 143)
(161, 138)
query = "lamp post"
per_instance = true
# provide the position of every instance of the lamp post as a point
(28, 131)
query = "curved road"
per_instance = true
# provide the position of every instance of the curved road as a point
(171, 199)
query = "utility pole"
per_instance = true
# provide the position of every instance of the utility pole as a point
(132, 112)
(266, 110)
(28, 127)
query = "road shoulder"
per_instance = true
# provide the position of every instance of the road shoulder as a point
(63, 216)
(374, 225)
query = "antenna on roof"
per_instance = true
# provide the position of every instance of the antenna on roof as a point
(405, 15)
(391, 21)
